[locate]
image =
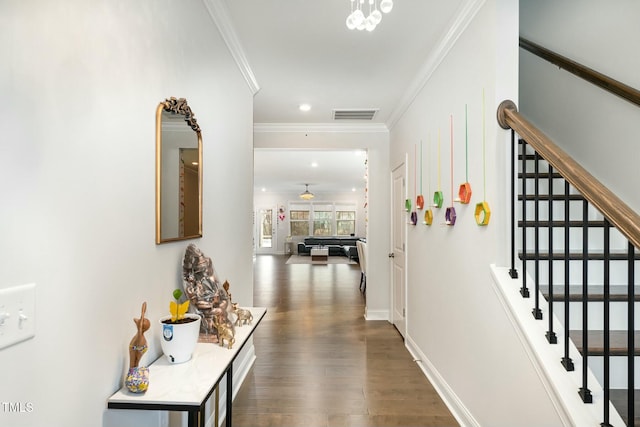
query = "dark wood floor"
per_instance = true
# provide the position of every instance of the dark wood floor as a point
(319, 363)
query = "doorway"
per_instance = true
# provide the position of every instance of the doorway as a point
(265, 231)
(397, 254)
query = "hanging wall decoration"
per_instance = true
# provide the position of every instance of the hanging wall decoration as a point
(483, 212)
(438, 198)
(464, 193)
(420, 197)
(450, 213)
(428, 214)
(414, 214)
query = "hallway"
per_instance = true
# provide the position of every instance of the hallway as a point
(319, 363)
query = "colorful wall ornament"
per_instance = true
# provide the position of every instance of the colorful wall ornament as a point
(428, 214)
(428, 217)
(482, 212)
(438, 198)
(420, 197)
(414, 214)
(450, 214)
(464, 193)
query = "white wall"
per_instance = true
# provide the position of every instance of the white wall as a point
(376, 143)
(80, 82)
(597, 128)
(455, 324)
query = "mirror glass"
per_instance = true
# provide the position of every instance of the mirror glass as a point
(178, 172)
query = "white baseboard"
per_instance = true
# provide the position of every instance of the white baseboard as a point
(376, 314)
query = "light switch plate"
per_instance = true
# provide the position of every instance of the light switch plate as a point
(17, 314)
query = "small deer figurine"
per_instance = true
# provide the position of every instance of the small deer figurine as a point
(244, 316)
(138, 344)
(224, 333)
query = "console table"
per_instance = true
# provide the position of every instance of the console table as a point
(187, 386)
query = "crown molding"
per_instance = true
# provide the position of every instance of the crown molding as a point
(320, 127)
(461, 21)
(220, 15)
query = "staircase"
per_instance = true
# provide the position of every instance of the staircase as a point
(577, 244)
(582, 270)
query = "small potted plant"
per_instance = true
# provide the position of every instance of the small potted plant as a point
(180, 330)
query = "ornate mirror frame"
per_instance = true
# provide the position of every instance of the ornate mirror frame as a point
(177, 106)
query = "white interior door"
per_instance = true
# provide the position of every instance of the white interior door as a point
(397, 255)
(265, 231)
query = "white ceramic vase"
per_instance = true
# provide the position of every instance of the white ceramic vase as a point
(179, 340)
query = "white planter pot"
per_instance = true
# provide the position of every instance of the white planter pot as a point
(179, 340)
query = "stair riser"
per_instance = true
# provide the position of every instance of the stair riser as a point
(595, 239)
(617, 315)
(617, 273)
(617, 372)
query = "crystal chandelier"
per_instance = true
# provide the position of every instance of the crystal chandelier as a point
(357, 19)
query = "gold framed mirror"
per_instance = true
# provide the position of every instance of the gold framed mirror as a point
(178, 172)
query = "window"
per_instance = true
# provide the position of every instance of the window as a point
(299, 221)
(322, 221)
(345, 223)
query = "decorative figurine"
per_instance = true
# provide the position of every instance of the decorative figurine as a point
(208, 298)
(243, 316)
(224, 332)
(137, 380)
(225, 285)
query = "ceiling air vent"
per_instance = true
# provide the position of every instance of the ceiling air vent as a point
(354, 114)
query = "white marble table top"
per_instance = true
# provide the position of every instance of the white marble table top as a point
(191, 382)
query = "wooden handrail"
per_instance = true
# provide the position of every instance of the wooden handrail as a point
(605, 82)
(619, 214)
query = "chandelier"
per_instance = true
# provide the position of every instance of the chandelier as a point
(306, 194)
(357, 19)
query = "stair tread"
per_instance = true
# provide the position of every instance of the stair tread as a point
(540, 175)
(594, 292)
(597, 256)
(617, 342)
(619, 399)
(558, 223)
(553, 196)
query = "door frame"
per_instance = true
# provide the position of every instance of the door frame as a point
(397, 214)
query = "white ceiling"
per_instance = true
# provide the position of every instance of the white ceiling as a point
(290, 170)
(300, 51)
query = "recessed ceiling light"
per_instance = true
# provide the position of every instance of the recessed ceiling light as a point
(314, 164)
(353, 189)
(264, 189)
(305, 107)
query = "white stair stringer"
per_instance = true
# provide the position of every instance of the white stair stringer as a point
(562, 386)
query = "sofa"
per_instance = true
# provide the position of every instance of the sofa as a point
(337, 245)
